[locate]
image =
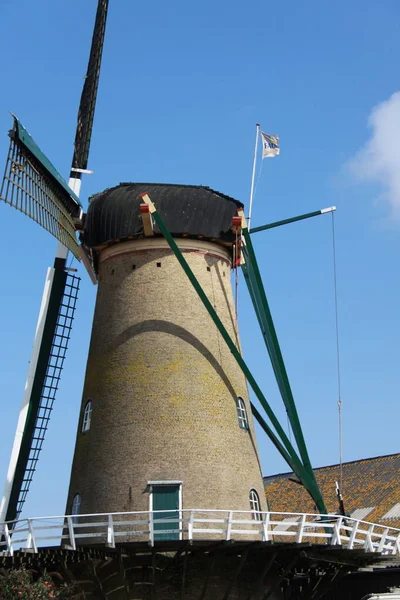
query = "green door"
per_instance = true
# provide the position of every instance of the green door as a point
(166, 497)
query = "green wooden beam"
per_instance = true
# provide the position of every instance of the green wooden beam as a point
(257, 293)
(272, 343)
(305, 480)
(309, 215)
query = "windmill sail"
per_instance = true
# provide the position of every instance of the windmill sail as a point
(89, 93)
(54, 328)
(33, 185)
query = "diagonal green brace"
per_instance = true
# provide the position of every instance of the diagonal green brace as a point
(257, 293)
(262, 320)
(271, 340)
(262, 313)
(286, 449)
(296, 466)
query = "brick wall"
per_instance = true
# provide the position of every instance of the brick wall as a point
(163, 385)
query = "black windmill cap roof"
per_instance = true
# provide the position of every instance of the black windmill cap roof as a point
(187, 210)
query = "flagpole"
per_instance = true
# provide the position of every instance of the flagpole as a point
(253, 175)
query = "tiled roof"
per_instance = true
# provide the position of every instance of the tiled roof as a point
(371, 483)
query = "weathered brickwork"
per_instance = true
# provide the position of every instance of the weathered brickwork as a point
(163, 385)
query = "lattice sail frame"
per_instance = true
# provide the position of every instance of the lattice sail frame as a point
(55, 365)
(29, 186)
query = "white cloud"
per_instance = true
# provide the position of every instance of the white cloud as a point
(379, 159)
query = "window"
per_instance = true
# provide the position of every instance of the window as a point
(242, 414)
(87, 416)
(255, 505)
(76, 506)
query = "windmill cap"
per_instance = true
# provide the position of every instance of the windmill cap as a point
(188, 210)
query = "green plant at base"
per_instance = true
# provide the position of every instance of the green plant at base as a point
(23, 585)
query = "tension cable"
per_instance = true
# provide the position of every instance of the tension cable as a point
(337, 355)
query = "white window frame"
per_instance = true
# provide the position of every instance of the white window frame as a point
(242, 413)
(169, 482)
(76, 506)
(255, 505)
(87, 416)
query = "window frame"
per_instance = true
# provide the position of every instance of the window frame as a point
(87, 416)
(242, 414)
(255, 505)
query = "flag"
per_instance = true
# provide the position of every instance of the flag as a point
(270, 145)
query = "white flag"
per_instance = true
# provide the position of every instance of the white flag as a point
(270, 145)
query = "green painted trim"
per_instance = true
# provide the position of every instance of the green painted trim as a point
(286, 221)
(26, 140)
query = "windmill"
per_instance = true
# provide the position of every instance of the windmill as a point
(33, 185)
(166, 497)
(125, 217)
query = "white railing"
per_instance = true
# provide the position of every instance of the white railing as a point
(110, 528)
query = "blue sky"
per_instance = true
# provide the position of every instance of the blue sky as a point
(182, 87)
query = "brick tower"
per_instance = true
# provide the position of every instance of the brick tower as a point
(165, 420)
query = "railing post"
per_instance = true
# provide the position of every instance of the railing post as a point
(396, 546)
(31, 542)
(353, 535)
(190, 526)
(301, 529)
(29, 538)
(229, 526)
(71, 533)
(265, 524)
(151, 528)
(7, 536)
(383, 539)
(110, 532)
(335, 537)
(368, 539)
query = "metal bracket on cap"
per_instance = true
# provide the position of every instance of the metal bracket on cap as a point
(146, 208)
(237, 224)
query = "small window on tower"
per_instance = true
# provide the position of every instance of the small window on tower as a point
(76, 506)
(87, 416)
(255, 505)
(242, 413)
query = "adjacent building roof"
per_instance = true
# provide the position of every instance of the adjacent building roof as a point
(371, 490)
